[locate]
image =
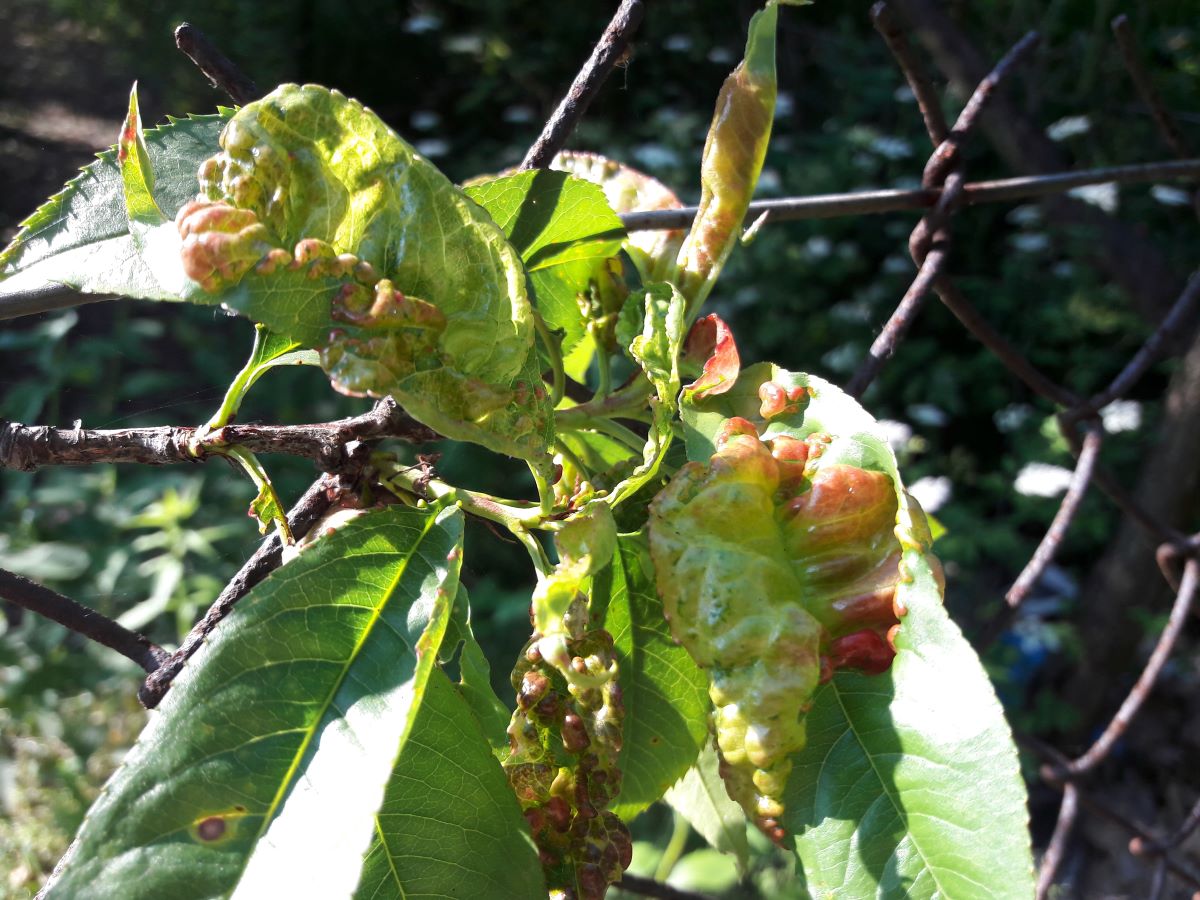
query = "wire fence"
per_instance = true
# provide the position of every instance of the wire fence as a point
(944, 193)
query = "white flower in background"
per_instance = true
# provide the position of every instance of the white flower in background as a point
(1069, 126)
(424, 119)
(897, 434)
(890, 147)
(1104, 196)
(655, 156)
(1042, 480)
(932, 492)
(1027, 214)
(422, 23)
(928, 414)
(904, 94)
(784, 104)
(678, 43)
(1170, 196)
(1121, 415)
(1012, 417)
(818, 247)
(518, 115)
(1029, 243)
(432, 147)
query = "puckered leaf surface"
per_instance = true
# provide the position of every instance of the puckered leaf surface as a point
(317, 220)
(908, 785)
(262, 772)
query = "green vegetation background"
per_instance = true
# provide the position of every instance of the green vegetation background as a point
(470, 84)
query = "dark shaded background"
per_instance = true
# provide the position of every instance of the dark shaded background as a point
(470, 83)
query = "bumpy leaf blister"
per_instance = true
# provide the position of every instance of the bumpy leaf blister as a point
(319, 221)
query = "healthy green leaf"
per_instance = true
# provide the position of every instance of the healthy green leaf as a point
(269, 350)
(263, 769)
(450, 825)
(475, 676)
(318, 221)
(665, 694)
(908, 785)
(80, 237)
(628, 190)
(566, 234)
(733, 158)
(700, 797)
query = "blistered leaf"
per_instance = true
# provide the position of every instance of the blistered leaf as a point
(628, 190)
(908, 784)
(566, 234)
(319, 221)
(585, 543)
(80, 237)
(665, 694)
(733, 158)
(293, 713)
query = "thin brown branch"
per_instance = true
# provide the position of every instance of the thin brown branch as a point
(316, 501)
(78, 618)
(1145, 683)
(897, 326)
(946, 156)
(1044, 554)
(216, 66)
(914, 73)
(607, 53)
(1149, 352)
(29, 447)
(1057, 847)
(859, 203)
(1168, 128)
(1055, 773)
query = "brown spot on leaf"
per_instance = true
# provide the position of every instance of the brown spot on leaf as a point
(211, 829)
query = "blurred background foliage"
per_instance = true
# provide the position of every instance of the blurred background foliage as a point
(469, 83)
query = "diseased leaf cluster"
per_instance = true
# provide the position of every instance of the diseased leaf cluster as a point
(777, 589)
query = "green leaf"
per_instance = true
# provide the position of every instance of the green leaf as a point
(450, 825)
(80, 237)
(269, 350)
(628, 190)
(318, 221)
(733, 158)
(908, 785)
(665, 694)
(700, 798)
(565, 232)
(475, 677)
(266, 763)
(137, 172)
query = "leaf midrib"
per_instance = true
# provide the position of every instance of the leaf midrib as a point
(883, 789)
(367, 631)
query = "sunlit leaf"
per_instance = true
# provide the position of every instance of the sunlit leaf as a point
(263, 770)
(565, 232)
(733, 158)
(318, 221)
(665, 694)
(80, 237)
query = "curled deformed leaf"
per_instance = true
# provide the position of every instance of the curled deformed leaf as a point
(320, 222)
(711, 348)
(733, 158)
(778, 561)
